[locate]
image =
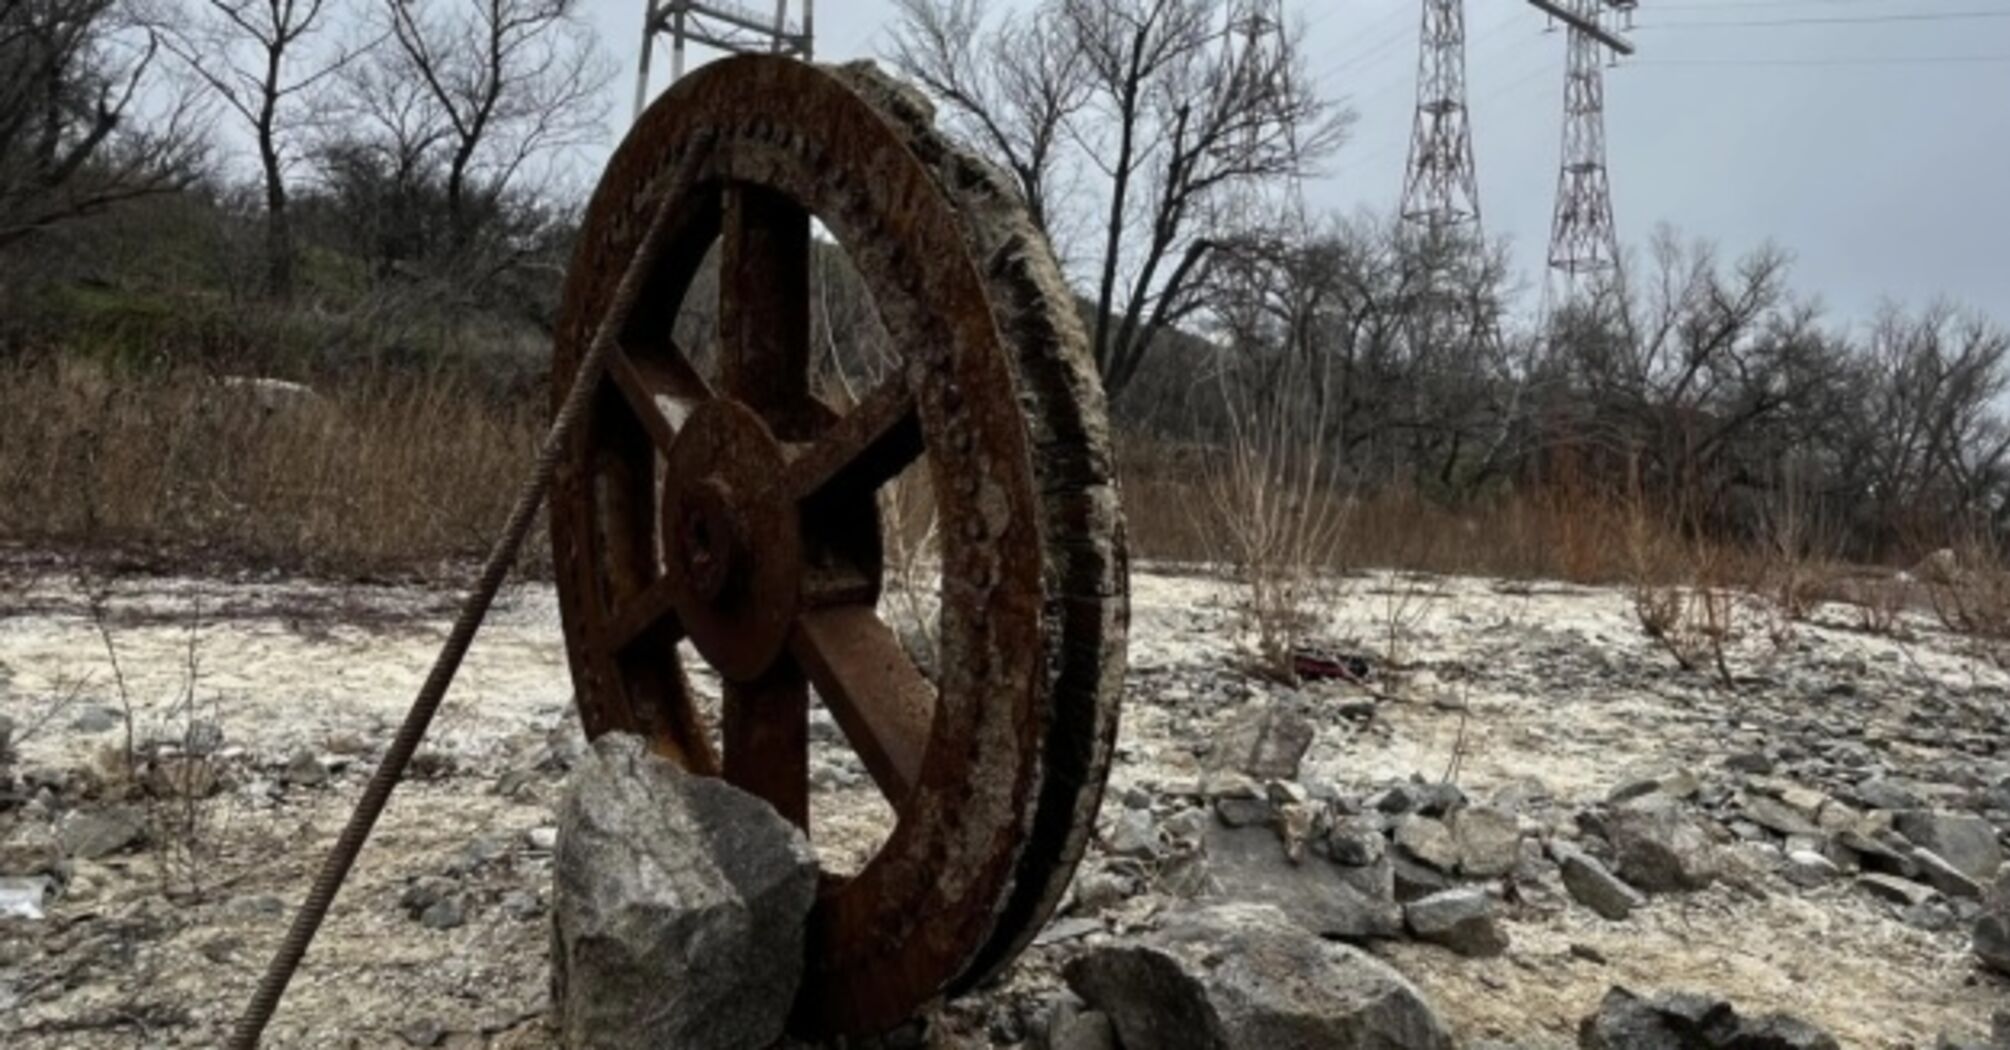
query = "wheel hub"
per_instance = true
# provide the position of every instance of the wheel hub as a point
(732, 540)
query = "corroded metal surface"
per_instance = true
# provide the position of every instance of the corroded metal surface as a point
(737, 511)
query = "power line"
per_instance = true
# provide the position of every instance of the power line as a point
(1907, 60)
(1831, 20)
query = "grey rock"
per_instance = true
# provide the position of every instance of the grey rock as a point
(97, 719)
(1593, 885)
(678, 908)
(541, 839)
(1749, 762)
(1241, 812)
(91, 834)
(1625, 1021)
(522, 905)
(1945, 877)
(1084, 1030)
(1660, 849)
(1808, 869)
(1895, 889)
(1413, 879)
(1188, 827)
(1098, 890)
(1250, 865)
(1884, 793)
(447, 913)
(1267, 741)
(1461, 919)
(423, 893)
(1489, 841)
(1777, 816)
(1356, 841)
(1133, 834)
(1428, 840)
(1967, 842)
(304, 770)
(1242, 977)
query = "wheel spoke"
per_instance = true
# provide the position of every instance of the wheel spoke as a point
(656, 605)
(865, 448)
(764, 300)
(873, 690)
(646, 381)
(766, 725)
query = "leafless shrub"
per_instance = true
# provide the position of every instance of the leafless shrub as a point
(1275, 510)
(170, 769)
(1971, 594)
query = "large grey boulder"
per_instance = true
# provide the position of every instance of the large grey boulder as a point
(1242, 977)
(1679, 1021)
(678, 910)
(1352, 902)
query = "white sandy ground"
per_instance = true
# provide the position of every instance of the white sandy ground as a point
(1557, 683)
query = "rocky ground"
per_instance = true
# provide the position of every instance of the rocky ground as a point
(1527, 805)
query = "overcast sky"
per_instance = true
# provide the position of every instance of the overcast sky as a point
(1871, 138)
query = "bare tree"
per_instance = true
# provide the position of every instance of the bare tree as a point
(86, 119)
(514, 81)
(260, 57)
(1178, 111)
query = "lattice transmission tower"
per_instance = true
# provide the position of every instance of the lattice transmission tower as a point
(1440, 187)
(723, 25)
(1584, 239)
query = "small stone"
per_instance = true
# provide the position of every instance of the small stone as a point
(97, 719)
(91, 834)
(1580, 950)
(1085, 1030)
(522, 905)
(1754, 762)
(304, 770)
(1461, 919)
(1133, 834)
(1488, 840)
(1267, 740)
(1895, 889)
(1243, 812)
(1660, 849)
(445, 914)
(1413, 879)
(1429, 841)
(1137, 798)
(1808, 869)
(1884, 793)
(1591, 884)
(1966, 842)
(30, 848)
(1945, 877)
(543, 840)
(1356, 842)
(1777, 816)
(1187, 827)
(1098, 890)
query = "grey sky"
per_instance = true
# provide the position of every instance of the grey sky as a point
(1883, 173)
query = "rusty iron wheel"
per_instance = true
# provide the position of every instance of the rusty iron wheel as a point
(739, 513)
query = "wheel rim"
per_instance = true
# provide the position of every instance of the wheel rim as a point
(761, 543)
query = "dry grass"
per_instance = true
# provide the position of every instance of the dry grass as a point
(385, 475)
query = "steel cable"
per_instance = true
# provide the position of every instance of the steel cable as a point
(501, 557)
